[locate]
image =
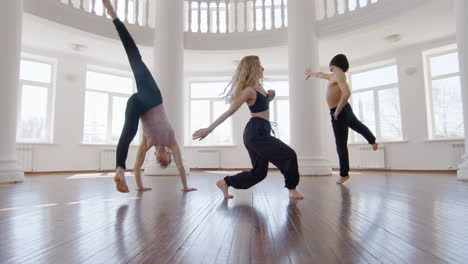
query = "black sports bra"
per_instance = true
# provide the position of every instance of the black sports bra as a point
(261, 103)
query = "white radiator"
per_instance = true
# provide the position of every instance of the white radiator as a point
(206, 159)
(24, 155)
(367, 158)
(457, 150)
(107, 159)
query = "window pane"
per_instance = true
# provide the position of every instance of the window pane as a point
(448, 112)
(109, 83)
(444, 64)
(199, 118)
(33, 119)
(373, 78)
(364, 109)
(283, 121)
(223, 133)
(281, 87)
(35, 71)
(208, 90)
(390, 117)
(95, 123)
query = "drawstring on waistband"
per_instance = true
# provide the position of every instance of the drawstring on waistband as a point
(271, 125)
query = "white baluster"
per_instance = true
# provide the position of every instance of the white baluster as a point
(245, 16)
(227, 17)
(325, 7)
(346, 9)
(254, 8)
(189, 16)
(209, 16)
(273, 14)
(263, 15)
(199, 16)
(126, 11)
(70, 2)
(93, 7)
(336, 8)
(359, 4)
(147, 13)
(236, 14)
(81, 4)
(283, 18)
(368, 2)
(137, 12)
(217, 16)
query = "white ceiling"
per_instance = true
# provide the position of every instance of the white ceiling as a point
(429, 22)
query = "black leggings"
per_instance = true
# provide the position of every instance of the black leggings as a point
(264, 148)
(147, 97)
(346, 120)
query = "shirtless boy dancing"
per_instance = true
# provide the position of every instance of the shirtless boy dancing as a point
(342, 115)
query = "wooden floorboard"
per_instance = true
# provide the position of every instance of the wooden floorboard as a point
(375, 218)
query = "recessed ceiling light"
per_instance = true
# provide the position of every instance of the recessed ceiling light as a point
(79, 47)
(393, 38)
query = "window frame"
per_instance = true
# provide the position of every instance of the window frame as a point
(375, 92)
(110, 105)
(50, 98)
(427, 56)
(188, 142)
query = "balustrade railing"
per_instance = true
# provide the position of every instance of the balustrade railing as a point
(223, 16)
(130, 11)
(327, 9)
(229, 16)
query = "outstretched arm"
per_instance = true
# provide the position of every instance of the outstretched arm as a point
(345, 93)
(110, 9)
(180, 166)
(320, 75)
(140, 159)
(235, 105)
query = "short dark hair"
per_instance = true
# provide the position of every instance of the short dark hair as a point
(341, 62)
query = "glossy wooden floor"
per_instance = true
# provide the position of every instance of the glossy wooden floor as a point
(375, 218)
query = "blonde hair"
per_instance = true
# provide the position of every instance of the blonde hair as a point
(249, 73)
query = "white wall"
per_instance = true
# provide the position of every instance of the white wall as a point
(66, 153)
(414, 153)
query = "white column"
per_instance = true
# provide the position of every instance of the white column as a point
(307, 120)
(461, 6)
(169, 72)
(11, 14)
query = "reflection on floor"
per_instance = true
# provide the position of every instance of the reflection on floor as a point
(374, 218)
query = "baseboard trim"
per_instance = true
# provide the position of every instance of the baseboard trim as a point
(244, 169)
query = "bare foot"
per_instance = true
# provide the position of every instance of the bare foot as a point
(375, 146)
(295, 194)
(343, 180)
(224, 188)
(119, 180)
